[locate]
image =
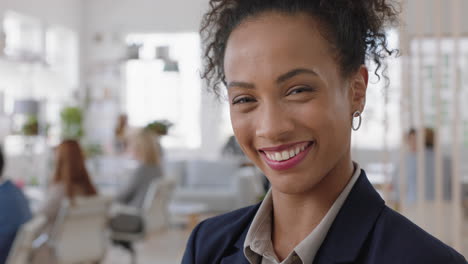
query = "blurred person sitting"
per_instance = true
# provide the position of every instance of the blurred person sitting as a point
(14, 211)
(70, 180)
(411, 166)
(232, 149)
(146, 153)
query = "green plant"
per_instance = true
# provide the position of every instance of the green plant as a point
(72, 123)
(31, 126)
(92, 150)
(160, 127)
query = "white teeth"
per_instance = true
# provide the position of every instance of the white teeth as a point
(278, 156)
(297, 150)
(285, 154)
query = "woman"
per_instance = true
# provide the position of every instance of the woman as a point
(70, 180)
(411, 163)
(120, 135)
(145, 151)
(296, 79)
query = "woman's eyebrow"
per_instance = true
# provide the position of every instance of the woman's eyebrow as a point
(280, 79)
(293, 73)
(241, 85)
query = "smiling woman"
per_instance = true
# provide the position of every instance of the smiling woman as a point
(296, 78)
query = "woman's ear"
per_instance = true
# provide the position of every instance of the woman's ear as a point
(358, 89)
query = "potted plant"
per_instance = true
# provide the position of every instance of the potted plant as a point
(31, 126)
(72, 123)
(159, 127)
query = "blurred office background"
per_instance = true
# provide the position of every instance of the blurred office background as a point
(75, 66)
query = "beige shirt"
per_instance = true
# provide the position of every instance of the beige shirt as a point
(258, 247)
(52, 203)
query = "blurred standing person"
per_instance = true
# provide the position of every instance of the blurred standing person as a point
(411, 163)
(70, 180)
(14, 211)
(120, 134)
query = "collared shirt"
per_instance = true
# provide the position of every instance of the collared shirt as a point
(258, 247)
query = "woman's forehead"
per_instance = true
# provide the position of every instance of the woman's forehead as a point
(275, 43)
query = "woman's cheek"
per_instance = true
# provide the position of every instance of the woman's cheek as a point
(243, 129)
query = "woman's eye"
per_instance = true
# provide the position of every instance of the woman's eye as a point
(242, 100)
(300, 90)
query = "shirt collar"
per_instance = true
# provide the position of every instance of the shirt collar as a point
(258, 237)
(259, 233)
(308, 248)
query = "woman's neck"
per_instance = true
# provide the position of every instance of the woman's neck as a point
(295, 216)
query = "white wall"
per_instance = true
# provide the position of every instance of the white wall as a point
(66, 13)
(61, 12)
(144, 15)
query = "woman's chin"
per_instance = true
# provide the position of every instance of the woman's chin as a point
(294, 185)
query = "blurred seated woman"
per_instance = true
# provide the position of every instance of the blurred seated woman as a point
(144, 149)
(70, 180)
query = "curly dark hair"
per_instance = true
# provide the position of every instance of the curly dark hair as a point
(355, 30)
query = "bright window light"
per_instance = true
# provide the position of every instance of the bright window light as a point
(151, 93)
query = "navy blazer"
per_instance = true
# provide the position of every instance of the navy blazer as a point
(364, 231)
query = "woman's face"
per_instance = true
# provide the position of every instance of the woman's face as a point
(291, 109)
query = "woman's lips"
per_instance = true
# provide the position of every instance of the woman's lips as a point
(288, 163)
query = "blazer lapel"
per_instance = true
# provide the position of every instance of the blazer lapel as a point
(352, 225)
(237, 256)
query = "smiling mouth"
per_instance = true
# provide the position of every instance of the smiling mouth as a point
(287, 153)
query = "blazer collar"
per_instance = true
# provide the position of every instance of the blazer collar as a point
(238, 256)
(240, 241)
(348, 232)
(352, 225)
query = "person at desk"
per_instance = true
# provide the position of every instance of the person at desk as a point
(70, 180)
(145, 151)
(14, 212)
(296, 80)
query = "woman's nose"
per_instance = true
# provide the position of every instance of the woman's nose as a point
(274, 123)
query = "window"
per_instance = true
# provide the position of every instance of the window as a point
(168, 88)
(61, 54)
(24, 36)
(425, 63)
